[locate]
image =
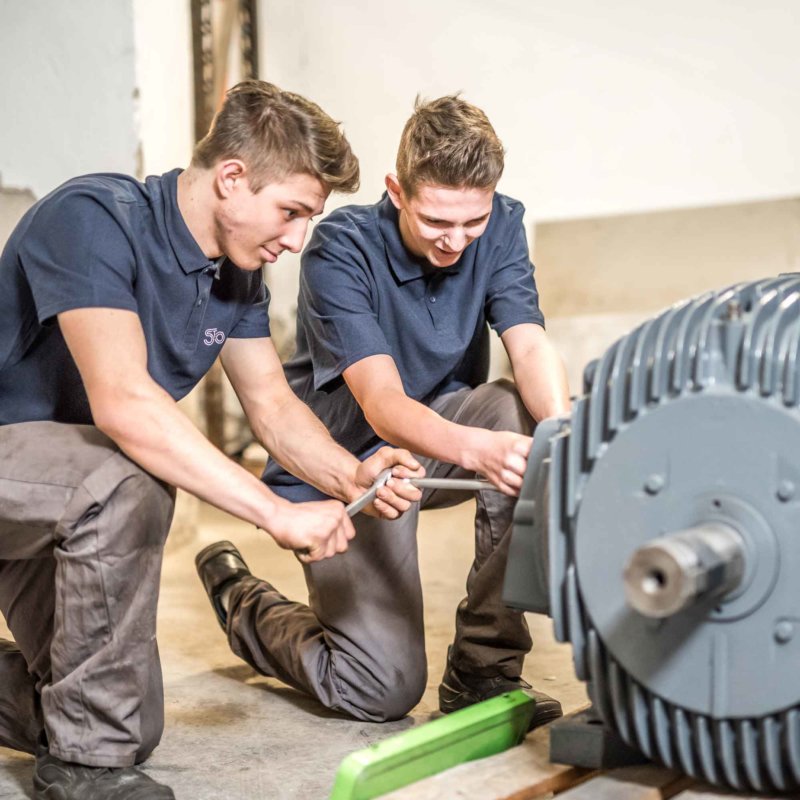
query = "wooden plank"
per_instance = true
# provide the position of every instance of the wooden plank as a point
(646, 782)
(522, 773)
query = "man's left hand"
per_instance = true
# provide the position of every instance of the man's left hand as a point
(395, 496)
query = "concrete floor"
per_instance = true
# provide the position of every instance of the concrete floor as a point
(233, 734)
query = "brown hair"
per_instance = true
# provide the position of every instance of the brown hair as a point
(448, 142)
(277, 134)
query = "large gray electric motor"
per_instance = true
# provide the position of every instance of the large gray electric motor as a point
(659, 526)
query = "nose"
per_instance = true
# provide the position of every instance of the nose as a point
(456, 239)
(294, 235)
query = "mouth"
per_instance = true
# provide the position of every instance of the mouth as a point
(447, 254)
(268, 256)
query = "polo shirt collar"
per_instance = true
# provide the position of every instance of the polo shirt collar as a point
(186, 249)
(405, 266)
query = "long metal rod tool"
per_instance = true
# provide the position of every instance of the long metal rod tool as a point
(456, 484)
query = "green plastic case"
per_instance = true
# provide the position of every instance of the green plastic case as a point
(475, 732)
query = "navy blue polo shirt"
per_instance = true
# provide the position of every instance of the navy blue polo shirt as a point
(109, 241)
(362, 293)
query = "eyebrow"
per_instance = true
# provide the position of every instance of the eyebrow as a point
(448, 222)
(304, 206)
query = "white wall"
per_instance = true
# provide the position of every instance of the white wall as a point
(93, 86)
(66, 91)
(165, 107)
(604, 108)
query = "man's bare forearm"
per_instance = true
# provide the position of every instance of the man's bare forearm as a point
(151, 429)
(404, 422)
(146, 423)
(539, 372)
(542, 384)
(301, 444)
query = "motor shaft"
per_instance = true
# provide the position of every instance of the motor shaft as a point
(673, 572)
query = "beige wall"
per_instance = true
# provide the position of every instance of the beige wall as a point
(13, 204)
(633, 262)
(601, 277)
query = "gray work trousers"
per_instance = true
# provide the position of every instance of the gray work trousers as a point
(82, 531)
(359, 646)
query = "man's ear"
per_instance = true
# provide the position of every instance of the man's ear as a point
(228, 174)
(395, 191)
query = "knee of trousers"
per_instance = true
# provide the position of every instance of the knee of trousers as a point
(132, 497)
(157, 498)
(503, 409)
(393, 697)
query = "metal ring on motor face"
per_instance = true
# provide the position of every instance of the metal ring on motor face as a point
(707, 476)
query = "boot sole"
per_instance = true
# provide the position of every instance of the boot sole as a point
(451, 700)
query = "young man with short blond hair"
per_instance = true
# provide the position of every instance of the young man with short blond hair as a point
(391, 347)
(115, 298)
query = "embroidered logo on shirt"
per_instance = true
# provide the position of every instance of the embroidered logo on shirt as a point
(213, 336)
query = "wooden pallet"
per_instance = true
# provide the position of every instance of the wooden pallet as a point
(525, 773)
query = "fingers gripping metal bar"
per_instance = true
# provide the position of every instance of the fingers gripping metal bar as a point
(457, 484)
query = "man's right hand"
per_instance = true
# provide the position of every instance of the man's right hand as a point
(500, 456)
(314, 530)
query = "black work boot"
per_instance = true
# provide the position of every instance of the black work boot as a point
(460, 689)
(54, 779)
(219, 565)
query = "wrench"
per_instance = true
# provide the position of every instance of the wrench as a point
(459, 484)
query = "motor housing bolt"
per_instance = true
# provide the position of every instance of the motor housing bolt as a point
(654, 484)
(784, 631)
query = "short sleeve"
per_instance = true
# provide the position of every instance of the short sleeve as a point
(336, 304)
(511, 297)
(75, 254)
(254, 322)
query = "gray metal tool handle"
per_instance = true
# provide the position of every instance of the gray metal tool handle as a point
(459, 484)
(369, 495)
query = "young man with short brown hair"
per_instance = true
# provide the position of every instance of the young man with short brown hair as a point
(391, 347)
(115, 298)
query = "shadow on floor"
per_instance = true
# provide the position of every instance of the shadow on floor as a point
(242, 673)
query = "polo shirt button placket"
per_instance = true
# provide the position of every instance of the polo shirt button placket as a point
(192, 333)
(209, 273)
(433, 311)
